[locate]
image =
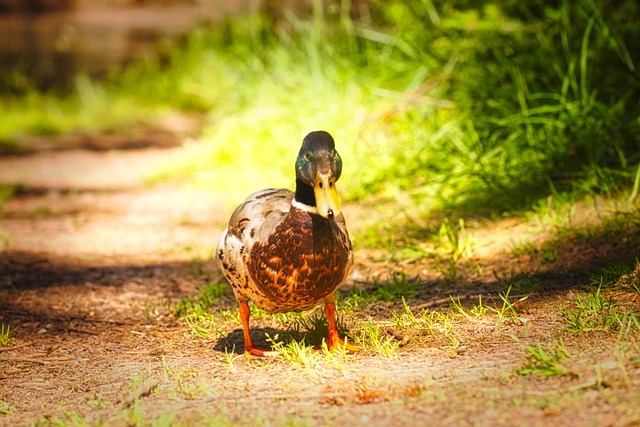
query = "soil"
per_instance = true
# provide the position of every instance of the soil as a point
(94, 260)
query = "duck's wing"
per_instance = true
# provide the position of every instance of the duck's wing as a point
(253, 221)
(344, 236)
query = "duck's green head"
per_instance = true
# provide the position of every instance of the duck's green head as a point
(318, 167)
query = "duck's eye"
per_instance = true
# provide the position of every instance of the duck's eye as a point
(320, 184)
(330, 184)
(306, 157)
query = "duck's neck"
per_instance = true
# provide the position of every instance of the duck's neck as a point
(304, 198)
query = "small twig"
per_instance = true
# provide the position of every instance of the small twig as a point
(107, 321)
(83, 331)
(441, 301)
(590, 383)
(404, 339)
(61, 359)
(434, 303)
(22, 359)
(15, 347)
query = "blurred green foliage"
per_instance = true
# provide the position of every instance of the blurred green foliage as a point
(477, 107)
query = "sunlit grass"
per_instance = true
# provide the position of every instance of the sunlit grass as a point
(593, 311)
(198, 312)
(371, 335)
(399, 286)
(183, 383)
(92, 109)
(203, 302)
(507, 311)
(478, 110)
(546, 361)
(295, 352)
(5, 408)
(6, 334)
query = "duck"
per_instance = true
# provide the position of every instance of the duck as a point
(290, 251)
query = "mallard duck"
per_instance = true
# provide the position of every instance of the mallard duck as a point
(290, 251)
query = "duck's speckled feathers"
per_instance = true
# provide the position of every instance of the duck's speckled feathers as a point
(281, 257)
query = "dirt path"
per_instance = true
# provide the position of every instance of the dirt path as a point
(95, 261)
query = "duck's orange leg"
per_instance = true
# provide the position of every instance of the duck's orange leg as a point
(334, 339)
(245, 312)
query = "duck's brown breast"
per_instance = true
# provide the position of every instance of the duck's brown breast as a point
(303, 262)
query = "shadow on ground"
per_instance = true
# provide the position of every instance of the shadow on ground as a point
(72, 294)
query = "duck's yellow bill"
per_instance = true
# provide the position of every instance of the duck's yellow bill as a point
(327, 199)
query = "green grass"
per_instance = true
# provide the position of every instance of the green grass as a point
(6, 334)
(206, 316)
(418, 327)
(593, 311)
(296, 352)
(372, 335)
(69, 418)
(399, 286)
(519, 282)
(304, 333)
(545, 361)
(312, 329)
(396, 288)
(198, 312)
(507, 311)
(5, 408)
(472, 107)
(90, 108)
(203, 302)
(478, 311)
(454, 245)
(183, 383)
(611, 273)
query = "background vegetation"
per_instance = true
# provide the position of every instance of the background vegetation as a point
(473, 107)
